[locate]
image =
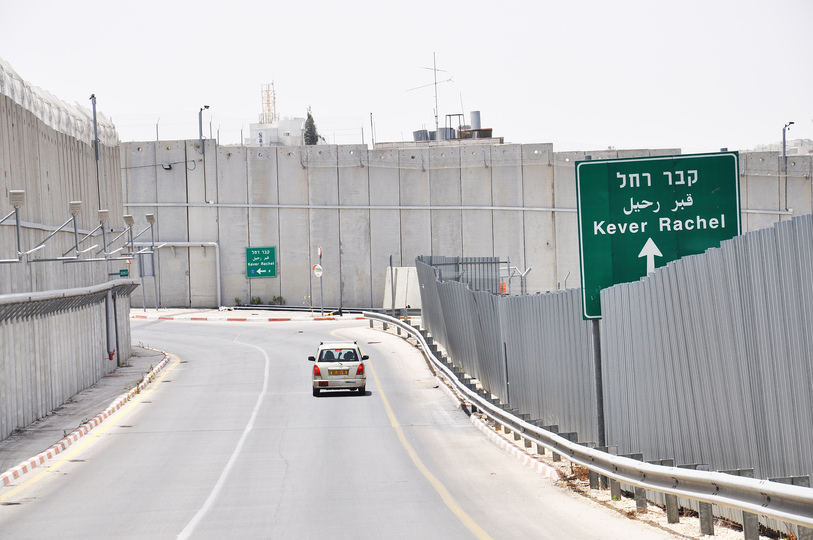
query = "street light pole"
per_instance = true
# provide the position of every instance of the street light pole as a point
(200, 126)
(785, 159)
(784, 152)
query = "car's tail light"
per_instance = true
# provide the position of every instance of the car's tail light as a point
(316, 372)
(360, 370)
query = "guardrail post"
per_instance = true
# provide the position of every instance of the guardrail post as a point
(615, 489)
(671, 502)
(571, 436)
(640, 493)
(613, 451)
(539, 448)
(593, 477)
(553, 429)
(706, 514)
(750, 522)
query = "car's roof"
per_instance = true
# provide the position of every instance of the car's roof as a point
(338, 345)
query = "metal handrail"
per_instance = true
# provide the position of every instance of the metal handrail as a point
(34, 304)
(792, 504)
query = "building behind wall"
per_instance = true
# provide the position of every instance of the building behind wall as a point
(285, 132)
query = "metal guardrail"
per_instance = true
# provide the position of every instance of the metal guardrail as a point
(788, 503)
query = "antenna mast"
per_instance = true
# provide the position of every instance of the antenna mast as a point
(269, 97)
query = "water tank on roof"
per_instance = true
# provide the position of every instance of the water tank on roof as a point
(420, 135)
(475, 119)
(445, 133)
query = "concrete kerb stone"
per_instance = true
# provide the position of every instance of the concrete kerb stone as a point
(225, 318)
(449, 392)
(527, 459)
(28, 465)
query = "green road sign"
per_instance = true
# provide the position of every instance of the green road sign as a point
(637, 214)
(261, 262)
(125, 272)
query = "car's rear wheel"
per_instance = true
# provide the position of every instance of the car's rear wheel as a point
(316, 391)
(362, 390)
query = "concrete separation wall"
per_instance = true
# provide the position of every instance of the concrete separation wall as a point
(515, 202)
(47, 150)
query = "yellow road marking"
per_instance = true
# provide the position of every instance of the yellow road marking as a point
(438, 486)
(96, 433)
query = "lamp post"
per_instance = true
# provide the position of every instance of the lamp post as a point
(784, 152)
(785, 159)
(200, 126)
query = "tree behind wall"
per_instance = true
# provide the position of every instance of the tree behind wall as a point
(311, 135)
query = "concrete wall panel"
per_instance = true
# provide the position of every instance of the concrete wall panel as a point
(232, 188)
(445, 190)
(477, 232)
(385, 223)
(764, 189)
(323, 183)
(356, 253)
(539, 225)
(171, 187)
(293, 255)
(414, 192)
(506, 189)
(263, 223)
(568, 270)
(202, 226)
(800, 194)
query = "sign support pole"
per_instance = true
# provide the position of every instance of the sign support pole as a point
(321, 288)
(602, 438)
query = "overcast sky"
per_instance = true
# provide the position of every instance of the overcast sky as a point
(583, 75)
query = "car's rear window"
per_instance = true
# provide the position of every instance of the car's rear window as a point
(338, 355)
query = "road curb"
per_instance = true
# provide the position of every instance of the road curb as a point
(449, 393)
(28, 465)
(527, 459)
(239, 319)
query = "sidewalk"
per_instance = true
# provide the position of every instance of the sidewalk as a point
(238, 315)
(38, 437)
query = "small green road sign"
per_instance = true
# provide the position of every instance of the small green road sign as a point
(261, 262)
(124, 272)
(636, 214)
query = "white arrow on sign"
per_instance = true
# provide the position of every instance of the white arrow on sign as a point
(261, 271)
(650, 251)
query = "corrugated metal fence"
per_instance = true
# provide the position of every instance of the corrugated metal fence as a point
(53, 345)
(707, 362)
(533, 352)
(710, 360)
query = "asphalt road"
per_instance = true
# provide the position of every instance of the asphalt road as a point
(228, 442)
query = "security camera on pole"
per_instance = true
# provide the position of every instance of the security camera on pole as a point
(317, 272)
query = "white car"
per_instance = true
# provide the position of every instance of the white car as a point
(339, 364)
